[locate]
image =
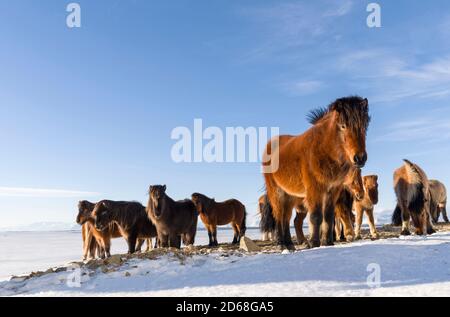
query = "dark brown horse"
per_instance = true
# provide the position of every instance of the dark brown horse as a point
(174, 220)
(131, 219)
(215, 214)
(314, 165)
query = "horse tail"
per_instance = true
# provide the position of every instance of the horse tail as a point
(267, 223)
(243, 224)
(397, 216)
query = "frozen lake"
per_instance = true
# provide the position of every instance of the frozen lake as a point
(24, 252)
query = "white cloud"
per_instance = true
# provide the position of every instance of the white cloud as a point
(431, 129)
(303, 88)
(294, 24)
(43, 193)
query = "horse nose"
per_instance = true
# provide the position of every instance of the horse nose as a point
(360, 159)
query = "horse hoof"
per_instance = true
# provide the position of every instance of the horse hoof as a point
(314, 244)
(290, 247)
(405, 233)
(349, 238)
(375, 236)
(326, 242)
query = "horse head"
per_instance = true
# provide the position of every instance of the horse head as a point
(201, 202)
(349, 119)
(157, 194)
(355, 184)
(102, 215)
(371, 187)
(85, 209)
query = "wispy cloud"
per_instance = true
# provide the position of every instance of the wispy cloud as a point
(43, 193)
(397, 76)
(294, 24)
(426, 129)
(302, 88)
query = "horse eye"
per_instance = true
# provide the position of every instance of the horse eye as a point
(343, 127)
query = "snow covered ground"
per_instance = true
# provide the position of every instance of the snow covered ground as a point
(412, 266)
(24, 252)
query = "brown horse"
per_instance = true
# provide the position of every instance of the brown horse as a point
(438, 201)
(314, 165)
(93, 236)
(412, 189)
(130, 218)
(366, 206)
(215, 214)
(174, 220)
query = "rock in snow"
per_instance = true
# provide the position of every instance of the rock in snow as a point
(248, 245)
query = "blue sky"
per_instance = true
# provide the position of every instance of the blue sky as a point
(88, 113)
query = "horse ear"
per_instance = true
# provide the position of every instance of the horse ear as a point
(376, 178)
(365, 103)
(164, 188)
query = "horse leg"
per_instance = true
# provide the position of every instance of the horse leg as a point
(443, 209)
(281, 212)
(328, 223)
(107, 246)
(406, 218)
(358, 223)
(344, 221)
(131, 239)
(85, 242)
(139, 245)
(337, 229)
(373, 229)
(163, 240)
(315, 221)
(210, 236)
(175, 241)
(215, 236)
(298, 224)
(92, 247)
(235, 234)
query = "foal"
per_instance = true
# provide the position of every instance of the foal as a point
(366, 206)
(215, 214)
(313, 166)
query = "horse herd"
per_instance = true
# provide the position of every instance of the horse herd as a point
(170, 222)
(318, 175)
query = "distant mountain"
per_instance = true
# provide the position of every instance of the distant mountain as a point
(44, 226)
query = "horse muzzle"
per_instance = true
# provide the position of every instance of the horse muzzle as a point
(359, 160)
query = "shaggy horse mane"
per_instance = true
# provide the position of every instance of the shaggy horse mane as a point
(351, 109)
(414, 169)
